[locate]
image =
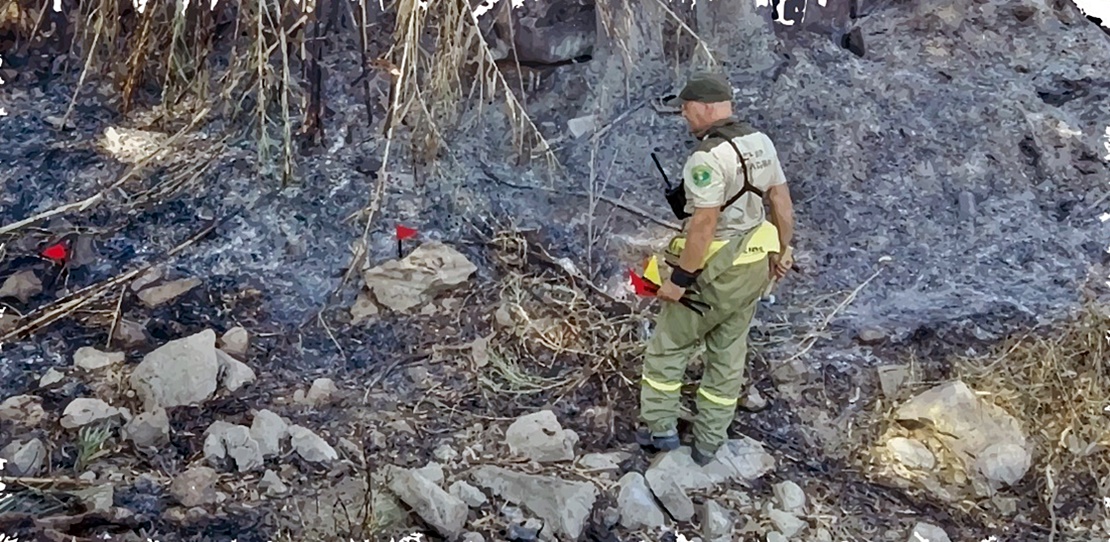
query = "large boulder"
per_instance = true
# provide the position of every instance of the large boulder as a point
(433, 267)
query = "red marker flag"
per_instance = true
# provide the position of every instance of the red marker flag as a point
(405, 233)
(56, 252)
(641, 285)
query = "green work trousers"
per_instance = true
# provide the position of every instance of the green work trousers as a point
(733, 295)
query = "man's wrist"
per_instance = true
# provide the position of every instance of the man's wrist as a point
(683, 278)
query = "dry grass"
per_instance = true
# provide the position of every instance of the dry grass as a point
(1056, 384)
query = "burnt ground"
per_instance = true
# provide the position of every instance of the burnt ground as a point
(278, 260)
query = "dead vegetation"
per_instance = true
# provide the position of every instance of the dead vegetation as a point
(1055, 381)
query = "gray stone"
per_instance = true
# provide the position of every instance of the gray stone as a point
(716, 521)
(891, 378)
(473, 537)
(179, 373)
(164, 293)
(775, 536)
(268, 429)
(636, 504)
(195, 487)
(148, 428)
(22, 285)
(98, 498)
(581, 126)
(926, 532)
(310, 446)
(472, 496)
(967, 205)
(443, 511)
(753, 401)
(563, 505)
(24, 458)
(540, 437)
(84, 411)
(790, 497)
(91, 359)
(871, 335)
(223, 439)
(129, 333)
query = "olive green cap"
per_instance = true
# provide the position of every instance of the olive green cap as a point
(705, 87)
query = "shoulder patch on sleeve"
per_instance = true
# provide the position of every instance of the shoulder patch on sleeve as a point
(702, 175)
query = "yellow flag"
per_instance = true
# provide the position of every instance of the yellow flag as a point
(651, 270)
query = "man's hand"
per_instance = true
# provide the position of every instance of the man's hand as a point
(780, 264)
(670, 292)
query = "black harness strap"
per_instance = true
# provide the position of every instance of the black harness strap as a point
(748, 186)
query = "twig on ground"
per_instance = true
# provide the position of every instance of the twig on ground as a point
(813, 336)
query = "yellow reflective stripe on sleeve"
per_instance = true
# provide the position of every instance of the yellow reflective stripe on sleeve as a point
(665, 388)
(716, 398)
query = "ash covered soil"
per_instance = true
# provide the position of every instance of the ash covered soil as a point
(948, 189)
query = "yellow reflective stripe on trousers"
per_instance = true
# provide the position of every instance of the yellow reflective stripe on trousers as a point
(665, 388)
(716, 398)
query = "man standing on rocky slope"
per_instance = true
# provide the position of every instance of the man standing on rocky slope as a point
(726, 258)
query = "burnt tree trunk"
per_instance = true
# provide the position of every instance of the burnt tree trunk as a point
(313, 75)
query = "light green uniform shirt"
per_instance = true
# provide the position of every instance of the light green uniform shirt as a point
(712, 175)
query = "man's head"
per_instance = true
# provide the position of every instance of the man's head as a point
(706, 99)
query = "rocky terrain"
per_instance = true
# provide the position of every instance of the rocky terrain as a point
(215, 356)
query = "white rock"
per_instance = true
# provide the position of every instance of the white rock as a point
(716, 521)
(445, 453)
(179, 373)
(472, 496)
(310, 446)
(785, 522)
(433, 472)
(443, 511)
(22, 285)
(271, 484)
(564, 506)
(972, 428)
(148, 428)
(23, 410)
(926, 532)
(98, 498)
(412, 282)
(233, 374)
(23, 458)
(581, 126)
(322, 392)
(602, 461)
(195, 487)
(268, 429)
(790, 497)
(84, 411)
(540, 437)
(91, 359)
(236, 342)
(636, 504)
(775, 536)
(740, 459)
(223, 439)
(911, 453)
(52, 376)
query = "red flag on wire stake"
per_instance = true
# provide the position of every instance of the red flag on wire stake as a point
(403, 232)
(57, 253)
